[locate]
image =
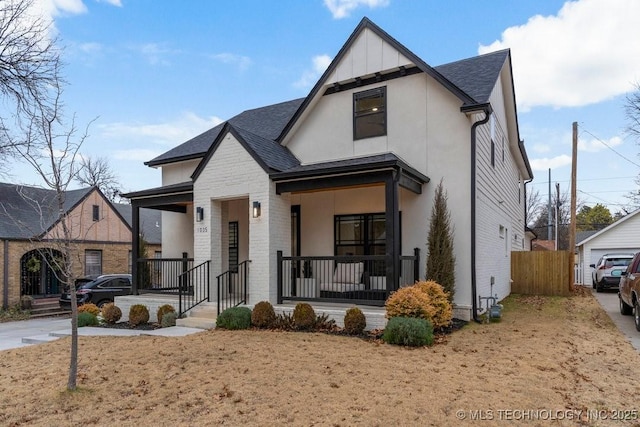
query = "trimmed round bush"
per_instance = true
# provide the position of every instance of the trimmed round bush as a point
(408, 331)
(354, 321)
(234, 318)
(164, 309)
(439, 310)
(303, 316)
(87, 318)
(110, 313)
(89, 308)
(263, 315)
(169, 319)
(138, 314)
(407, 302)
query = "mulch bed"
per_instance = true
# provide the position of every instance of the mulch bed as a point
(127, 325)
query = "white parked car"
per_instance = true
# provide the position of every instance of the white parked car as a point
(608, 269)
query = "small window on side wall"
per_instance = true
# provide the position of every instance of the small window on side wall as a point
(370, 113)
(96, 212)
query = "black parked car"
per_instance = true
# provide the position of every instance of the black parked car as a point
(99, 291)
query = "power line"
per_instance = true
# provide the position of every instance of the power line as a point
(611, 148)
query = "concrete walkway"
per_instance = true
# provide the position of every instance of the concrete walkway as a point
(609, 302)
(37, 331)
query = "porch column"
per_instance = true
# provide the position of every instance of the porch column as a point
(392, 229)
(135, 242)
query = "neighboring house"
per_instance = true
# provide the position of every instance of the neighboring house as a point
(30, 230)
(328, 196)
(543, 245)
(623, 236)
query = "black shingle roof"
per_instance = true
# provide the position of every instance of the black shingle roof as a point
(27, 212)
(476, 76)
(265, 122)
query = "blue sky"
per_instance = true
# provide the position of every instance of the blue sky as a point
(154, 73)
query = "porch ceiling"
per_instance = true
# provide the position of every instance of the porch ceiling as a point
(349, 173)
(174, 197)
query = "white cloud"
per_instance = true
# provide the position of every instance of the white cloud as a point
(155, 54)
(343, 8)
(170, 133)
(243, 62)
(541, 148)
(585, 54)
(117, 3)
(550, 163)
(309, 77)
(594, 145)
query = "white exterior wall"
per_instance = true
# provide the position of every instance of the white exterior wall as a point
(620, 237)
(500, 205)
(232, 174)
(177, 228)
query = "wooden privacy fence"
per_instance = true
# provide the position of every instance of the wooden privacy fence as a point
(541, 272)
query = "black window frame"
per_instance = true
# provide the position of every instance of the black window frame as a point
(362, 115)
(367, 240)
(86, 264)
(96, 212)
(234, 242)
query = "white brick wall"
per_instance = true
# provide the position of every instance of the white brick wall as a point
(231, 174)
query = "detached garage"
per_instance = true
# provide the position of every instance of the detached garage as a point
(623, 236)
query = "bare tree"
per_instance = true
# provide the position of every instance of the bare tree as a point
(97, 172)
(29, 65)
(53, 152)
(533, 208)
(632, 110)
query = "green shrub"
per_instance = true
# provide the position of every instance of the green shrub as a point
(87, 318)
(138, 314)
(169, 319)
(303, 316)
(110, 313)
(263, 315)
(89, 308)
(354, 321)
(164, 309)
(234, 318)
(408, 331)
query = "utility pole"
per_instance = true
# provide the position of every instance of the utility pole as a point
(557, 212)
(572, 224)
(549, 225)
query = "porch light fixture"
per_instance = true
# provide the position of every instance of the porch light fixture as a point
(256, 209)
(199, 213)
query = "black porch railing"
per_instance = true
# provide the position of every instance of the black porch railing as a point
(160, 275)
(356, 279)
(194, 287)
(232, 287)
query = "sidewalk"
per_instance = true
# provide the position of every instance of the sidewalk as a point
(37, 331)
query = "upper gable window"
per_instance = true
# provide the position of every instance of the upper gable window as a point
(370, 113)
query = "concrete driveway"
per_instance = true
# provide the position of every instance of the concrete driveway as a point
(609, 302)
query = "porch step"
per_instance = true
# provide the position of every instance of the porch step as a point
(203, 317)
(47, 308)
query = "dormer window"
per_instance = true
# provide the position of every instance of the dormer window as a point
(370, 113)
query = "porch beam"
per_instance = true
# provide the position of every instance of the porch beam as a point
(135, 245)
(164, 202)
(392, 229)
(322, 183)
(409, 184)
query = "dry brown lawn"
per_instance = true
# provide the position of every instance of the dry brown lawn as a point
(547, 360)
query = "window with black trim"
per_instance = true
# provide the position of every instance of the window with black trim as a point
(370, 113)
(233, 246)
(96, 212)
(362, 234)
(493, 153)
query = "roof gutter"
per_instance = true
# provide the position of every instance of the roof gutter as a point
(469, 109)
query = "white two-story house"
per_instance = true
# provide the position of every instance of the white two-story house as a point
(329, 197)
